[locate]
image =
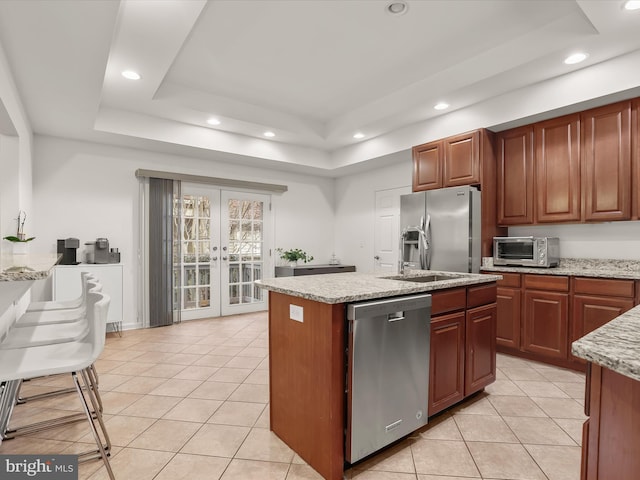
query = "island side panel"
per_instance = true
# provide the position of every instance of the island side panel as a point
(307, 380)
(614, 427)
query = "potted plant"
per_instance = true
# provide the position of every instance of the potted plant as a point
(292, 256)
(19, 240)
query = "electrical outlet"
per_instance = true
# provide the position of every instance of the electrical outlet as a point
(296, 313)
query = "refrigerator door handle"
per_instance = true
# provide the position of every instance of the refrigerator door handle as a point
(425, 258)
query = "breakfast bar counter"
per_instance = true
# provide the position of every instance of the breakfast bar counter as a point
(17, 274)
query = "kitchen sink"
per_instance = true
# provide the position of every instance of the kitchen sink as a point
(426, 278)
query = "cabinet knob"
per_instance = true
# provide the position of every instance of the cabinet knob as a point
(377, 257)
(214, 258)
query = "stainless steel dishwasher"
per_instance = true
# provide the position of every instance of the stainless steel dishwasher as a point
(387, 372)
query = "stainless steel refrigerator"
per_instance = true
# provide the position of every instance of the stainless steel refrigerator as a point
(441, 230)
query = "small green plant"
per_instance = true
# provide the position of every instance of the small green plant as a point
(20, 235)
(294, 255)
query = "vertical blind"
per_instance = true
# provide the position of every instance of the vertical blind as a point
(161, 253)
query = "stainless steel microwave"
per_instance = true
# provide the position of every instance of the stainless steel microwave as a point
(526, 251)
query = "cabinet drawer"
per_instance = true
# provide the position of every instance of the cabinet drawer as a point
(448, 300)
(606, 287)
(481, 295)
(546, 282)
(509, 280)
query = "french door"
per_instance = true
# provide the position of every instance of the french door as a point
(220, 249)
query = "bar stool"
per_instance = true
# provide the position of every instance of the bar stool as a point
(74, 358)
(65, 304)
(47, 333)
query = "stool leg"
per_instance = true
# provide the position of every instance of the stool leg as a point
(7, 402)
(87, 411)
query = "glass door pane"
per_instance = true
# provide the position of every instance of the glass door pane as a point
(198, 264)
(244, 224)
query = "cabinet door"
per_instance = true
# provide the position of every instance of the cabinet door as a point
(446, 368)
(462, 159)
(557, 166)
(515, 176)
(606, 156)
(546, 318)
(480, 364)
(427, 166)
(508, 317)
(591, 312)
(635, 158)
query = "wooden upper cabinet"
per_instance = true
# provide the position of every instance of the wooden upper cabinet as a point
(606, 153)
(515, 176)
(427, 166)
(557, 169)
(462, 159)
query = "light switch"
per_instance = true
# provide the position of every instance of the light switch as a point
(296, 313)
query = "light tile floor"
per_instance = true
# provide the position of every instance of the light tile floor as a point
(190, 401)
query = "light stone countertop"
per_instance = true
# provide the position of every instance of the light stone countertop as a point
(335, 288)
(33, 266)
(615, 345)
(578, 267)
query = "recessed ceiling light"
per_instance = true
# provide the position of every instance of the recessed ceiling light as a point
(632, 5)
(269, 134)
(213, 121)
(441, 106)
(398, 7)
(358, 135)
(131, 75)
(575, 58)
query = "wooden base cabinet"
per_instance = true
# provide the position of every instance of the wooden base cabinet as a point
(480, 364)
(546, 323)
(446, 368)
(463, 345)
(508, 303)
(597, 301)
(611, 436)
(539, 316)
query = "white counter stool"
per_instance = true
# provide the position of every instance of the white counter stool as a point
(74, 358)
(46, 330)
(66, 304)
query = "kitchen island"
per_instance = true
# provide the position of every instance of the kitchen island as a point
(308, 340)
(611, 434)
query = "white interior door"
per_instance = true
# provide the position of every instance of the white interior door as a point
(387, 229)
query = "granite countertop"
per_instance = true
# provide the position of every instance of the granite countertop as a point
(615, 345)
(578, 267)
(335, 288)
(33, 266)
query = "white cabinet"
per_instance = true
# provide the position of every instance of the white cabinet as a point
(67, 286)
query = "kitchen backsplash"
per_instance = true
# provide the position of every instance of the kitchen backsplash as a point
(613, 240)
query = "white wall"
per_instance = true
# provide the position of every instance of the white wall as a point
(88, 190)
(613, 240)
(15, 158)
(355, 209)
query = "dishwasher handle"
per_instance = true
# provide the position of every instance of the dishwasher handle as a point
(391, 307)
(395, 316)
